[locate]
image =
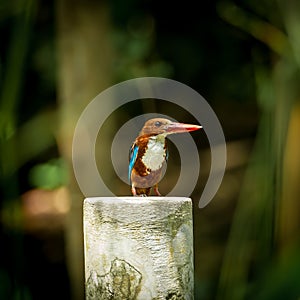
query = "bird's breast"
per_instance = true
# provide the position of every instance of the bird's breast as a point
(154, 155)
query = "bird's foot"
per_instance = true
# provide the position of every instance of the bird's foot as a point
(133, 191)
(156, 191)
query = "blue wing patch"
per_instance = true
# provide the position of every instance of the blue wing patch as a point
(132, 158)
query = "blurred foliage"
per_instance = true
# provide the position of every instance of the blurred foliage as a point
(14, 68)
(279, 280)
(51, 175)
(135, 51)
(253, 241)
(243, 56)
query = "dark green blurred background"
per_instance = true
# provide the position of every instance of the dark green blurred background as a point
(242, 56)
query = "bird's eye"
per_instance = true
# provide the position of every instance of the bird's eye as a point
(157, 124)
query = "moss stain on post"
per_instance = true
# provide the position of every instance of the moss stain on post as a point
(137, 248)
(121, 282)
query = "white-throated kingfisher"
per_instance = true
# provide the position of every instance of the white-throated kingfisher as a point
(149, 153)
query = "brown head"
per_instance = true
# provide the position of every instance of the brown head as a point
(164, 126)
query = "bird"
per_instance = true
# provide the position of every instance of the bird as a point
(149, 154)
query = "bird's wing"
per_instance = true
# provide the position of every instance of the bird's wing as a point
(133, 152)
(167, 155)
(167, 152)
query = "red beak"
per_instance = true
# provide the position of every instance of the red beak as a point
(181, 127)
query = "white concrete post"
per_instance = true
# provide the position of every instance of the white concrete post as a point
(138, 248)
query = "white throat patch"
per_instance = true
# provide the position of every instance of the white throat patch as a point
(155, 154)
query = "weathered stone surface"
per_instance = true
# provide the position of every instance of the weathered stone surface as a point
(121, 282)
(138, 248)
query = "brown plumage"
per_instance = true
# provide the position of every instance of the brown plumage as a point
(142, 176)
